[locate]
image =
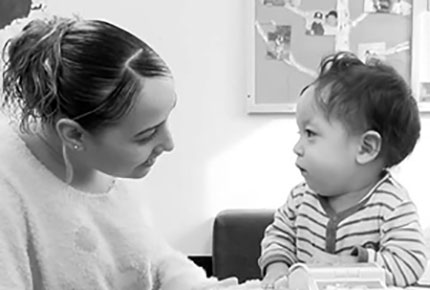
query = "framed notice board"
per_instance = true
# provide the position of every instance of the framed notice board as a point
(288, 39)
(13, 16)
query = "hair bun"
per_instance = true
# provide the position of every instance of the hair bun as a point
(53, 28)
(33, 65)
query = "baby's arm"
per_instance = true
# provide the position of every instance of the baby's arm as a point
(278, 245)
(274, 272)
(402, 247)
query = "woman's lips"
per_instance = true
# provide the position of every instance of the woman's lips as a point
(150, 162)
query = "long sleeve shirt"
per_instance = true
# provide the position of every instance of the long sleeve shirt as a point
(53, 236)
(382, 228)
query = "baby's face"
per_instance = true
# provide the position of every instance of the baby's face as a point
(326, 153)
(331, 20)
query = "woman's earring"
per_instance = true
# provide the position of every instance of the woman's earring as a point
(76, 147)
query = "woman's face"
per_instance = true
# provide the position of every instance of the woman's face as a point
(131, 147)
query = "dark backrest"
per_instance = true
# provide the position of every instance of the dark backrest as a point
(237, 234)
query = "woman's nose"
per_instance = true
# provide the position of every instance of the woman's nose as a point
(169, 145)
(167, 142)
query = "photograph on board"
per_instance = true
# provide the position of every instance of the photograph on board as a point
(321, 23)
(401, 7)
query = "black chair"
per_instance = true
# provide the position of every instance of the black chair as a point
(237, 234)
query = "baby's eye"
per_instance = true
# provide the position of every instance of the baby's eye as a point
(309, 133)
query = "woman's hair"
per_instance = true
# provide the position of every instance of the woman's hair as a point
(87, 70)
(371, 96)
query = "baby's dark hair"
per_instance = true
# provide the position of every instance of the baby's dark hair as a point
(87, 70)
(371, 96)
(332, 13)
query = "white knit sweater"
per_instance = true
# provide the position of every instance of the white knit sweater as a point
(55, 237)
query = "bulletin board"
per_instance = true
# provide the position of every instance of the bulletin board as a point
(12, 9)
(13, 16)
(290, 37)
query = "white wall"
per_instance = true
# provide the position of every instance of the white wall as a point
(224, 158)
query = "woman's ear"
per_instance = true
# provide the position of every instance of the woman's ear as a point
(369, 147)
(70, 133)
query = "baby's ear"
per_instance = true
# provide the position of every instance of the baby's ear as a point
(369, 147)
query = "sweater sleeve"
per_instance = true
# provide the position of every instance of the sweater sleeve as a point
(177, 272)
(402, 250)
(15, 270)
(171, 269)
(279, 242)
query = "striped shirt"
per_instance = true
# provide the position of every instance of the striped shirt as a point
(383, 228)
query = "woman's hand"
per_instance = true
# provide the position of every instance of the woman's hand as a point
(221, 284)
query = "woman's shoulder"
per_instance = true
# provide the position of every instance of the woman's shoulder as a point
(11, 207)
(18, 168)
(10, 146)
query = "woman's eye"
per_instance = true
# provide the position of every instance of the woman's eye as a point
(147, 137)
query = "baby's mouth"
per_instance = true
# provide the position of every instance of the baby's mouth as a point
(302, 170)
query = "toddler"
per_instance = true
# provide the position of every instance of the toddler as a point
(355, 122)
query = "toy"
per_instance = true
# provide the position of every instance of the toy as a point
(336, 277)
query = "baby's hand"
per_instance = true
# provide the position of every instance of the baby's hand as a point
(274, 273)
(323, 258)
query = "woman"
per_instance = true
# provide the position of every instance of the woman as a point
(90, 104)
